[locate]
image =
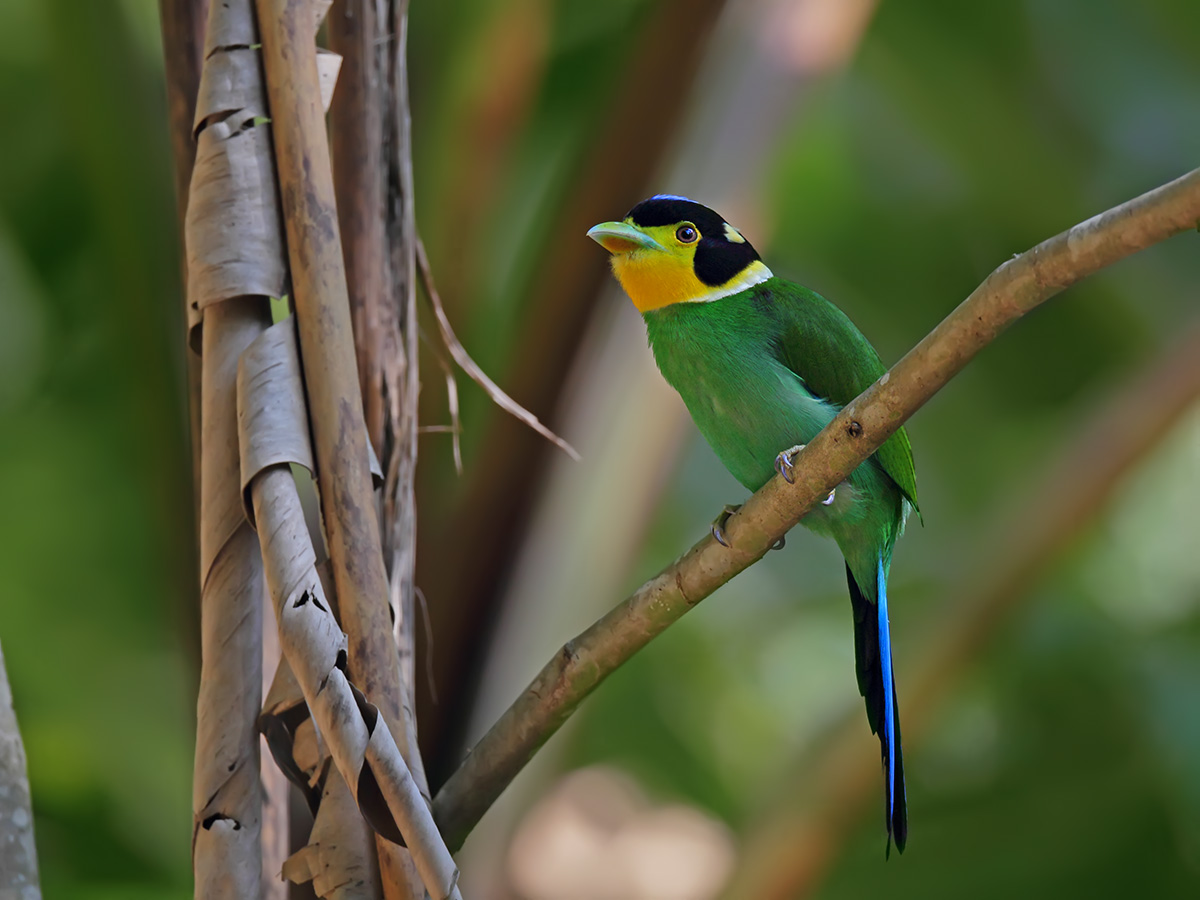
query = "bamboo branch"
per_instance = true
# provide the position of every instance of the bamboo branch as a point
(18, 854)
(795, 841)
(1016, 287)
(234, 254)
(372, 181)
(327, 348)
(226, 794)
(400, 499)
(359, 740)
(358, 136)
(335, 399)
(273, 436)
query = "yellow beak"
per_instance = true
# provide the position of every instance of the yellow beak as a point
(621, 237)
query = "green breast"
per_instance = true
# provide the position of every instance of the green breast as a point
(722, 359)
(768, 368)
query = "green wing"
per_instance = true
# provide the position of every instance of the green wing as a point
(833, 358)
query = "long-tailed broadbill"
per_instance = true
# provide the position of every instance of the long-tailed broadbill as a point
(763, 365)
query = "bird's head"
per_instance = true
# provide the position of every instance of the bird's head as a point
(670, 249)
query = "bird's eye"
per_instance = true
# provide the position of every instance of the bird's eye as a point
(686, 233)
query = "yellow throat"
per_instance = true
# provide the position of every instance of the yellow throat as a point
(657, 269)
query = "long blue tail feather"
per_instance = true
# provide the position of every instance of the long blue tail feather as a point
(873, 659)
(893, 766)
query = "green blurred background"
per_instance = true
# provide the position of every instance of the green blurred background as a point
(888, 157)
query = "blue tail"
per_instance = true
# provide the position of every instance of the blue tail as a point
(873, 659)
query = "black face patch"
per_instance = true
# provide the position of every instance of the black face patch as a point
(718, 259)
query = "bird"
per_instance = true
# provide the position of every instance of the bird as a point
(763, 364)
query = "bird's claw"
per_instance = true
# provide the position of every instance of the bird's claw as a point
(718, 525)
(785, 462)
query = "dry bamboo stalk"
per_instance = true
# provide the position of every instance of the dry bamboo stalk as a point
(236, 249)
(357, 133)
(371, 155)
(335, 401)
(400, 489)
(374, 203)
(232, 210)
(18, 854)
(235, 242)
(226, 797)
(274, 434)
(327, 350)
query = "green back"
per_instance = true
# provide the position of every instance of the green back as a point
(833, 358)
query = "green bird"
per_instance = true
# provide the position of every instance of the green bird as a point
(763, 365)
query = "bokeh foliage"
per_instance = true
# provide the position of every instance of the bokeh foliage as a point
(1066, 762)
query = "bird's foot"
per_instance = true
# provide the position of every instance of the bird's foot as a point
(785, 464)
(718, 525)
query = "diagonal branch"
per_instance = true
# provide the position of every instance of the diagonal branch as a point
(1015, 288)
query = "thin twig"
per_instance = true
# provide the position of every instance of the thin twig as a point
(455, 426)
(468, 365)
(1016, 287)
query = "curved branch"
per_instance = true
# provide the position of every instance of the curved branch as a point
(1012, 290)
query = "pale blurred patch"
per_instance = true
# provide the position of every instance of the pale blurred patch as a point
(596, 836)
(815, 35)
(1145, 569)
